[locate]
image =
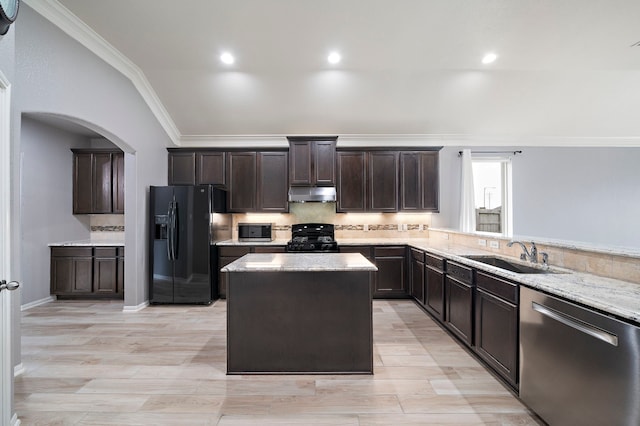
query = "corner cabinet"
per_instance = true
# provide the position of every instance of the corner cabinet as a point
(98, 181)
(87, 272)
(312, 161)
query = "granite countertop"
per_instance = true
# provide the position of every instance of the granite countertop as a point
(89, 243)
(300, 262)
(277, 242)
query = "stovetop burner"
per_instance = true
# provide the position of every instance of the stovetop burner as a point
(312, 237)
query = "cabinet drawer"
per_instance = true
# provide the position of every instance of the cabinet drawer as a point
(237, 251)
(71, 251)
(498, 287)
(388, 251)
(460, 272)
(417, 255)
(105, 252)
(269, 249)
(363, 250)
(435, 262)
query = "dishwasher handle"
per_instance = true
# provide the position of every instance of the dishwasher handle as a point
(576, 324)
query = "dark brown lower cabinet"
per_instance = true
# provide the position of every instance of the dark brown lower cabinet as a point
(390, 280)
(417, 275)
(496, 325)
(434, 289)
(87, 272)
(459, 302)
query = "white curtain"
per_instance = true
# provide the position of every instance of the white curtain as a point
(467, 202)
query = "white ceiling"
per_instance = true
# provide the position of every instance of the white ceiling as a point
(566, 68)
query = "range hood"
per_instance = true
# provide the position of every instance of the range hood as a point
(312, 194)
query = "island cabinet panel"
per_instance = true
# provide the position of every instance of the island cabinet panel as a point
(87, 272)
(182, 168)
(434, 283)
(98, 181)
(419, 181)
(242, 181)
(417, 275)
(383, 181)
(459, 301)
(312, 161)
(496, 325)
(352, 182)
(391, 279)
(211, 168)
(273, 182)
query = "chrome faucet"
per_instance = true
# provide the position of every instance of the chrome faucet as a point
(525, 255)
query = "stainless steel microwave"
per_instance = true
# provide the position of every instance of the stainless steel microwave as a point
(255, 231)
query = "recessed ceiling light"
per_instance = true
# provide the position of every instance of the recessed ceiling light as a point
(334, 58)
(227, 58)
(489, 58)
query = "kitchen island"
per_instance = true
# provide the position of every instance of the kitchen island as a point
(299, 313)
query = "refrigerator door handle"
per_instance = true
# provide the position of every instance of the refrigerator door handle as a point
(174, 230)
(170, 232)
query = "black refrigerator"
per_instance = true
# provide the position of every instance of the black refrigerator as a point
(184, 223)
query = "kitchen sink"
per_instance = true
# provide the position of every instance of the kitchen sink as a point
(518, 268)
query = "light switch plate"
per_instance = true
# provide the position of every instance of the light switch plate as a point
(482, 242)
(494, 244)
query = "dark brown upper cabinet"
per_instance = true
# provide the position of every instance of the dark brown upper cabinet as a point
(203, 167)
(98, 181)
(352, 181)
(383, 181)
(367, 181)
(419, 181)
(312, 161)
(257, 181)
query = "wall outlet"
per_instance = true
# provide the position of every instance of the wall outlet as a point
(482, 242)
(365, 228)
(405, 227)
(494, 244)
(420, 228)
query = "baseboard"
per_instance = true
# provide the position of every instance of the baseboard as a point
(137, 308)
(18, 370)
(37, 303)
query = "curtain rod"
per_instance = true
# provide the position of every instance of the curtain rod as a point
(492, 152)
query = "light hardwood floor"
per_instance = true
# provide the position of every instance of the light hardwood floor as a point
(88, 363)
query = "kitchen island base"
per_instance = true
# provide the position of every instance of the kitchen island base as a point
(284, 322)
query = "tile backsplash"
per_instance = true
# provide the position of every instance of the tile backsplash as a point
(348, 225)
(106, 225)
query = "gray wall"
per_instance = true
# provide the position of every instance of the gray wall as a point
(58, 76)
(46, 198)
(589, 195)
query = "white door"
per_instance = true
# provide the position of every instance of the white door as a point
(6, 367)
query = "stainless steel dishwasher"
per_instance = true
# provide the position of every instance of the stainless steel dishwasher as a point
(577, 366)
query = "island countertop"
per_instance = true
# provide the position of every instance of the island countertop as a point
(300, 262)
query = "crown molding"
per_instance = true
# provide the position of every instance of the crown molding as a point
(61, 17)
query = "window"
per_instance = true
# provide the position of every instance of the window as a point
(492, 194)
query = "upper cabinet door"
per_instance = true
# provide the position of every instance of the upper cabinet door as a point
(102, 190)
(211, 168)
(117, 188)
(273, 182)
(352, 179)
(82, 183)
(419, 181)
(324, 163)
(241, 181)
(300, 162)
(182, 168)
(430, 180)
(383, 181)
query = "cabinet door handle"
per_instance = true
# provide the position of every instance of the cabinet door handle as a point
(584, 327)
(11, 285)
